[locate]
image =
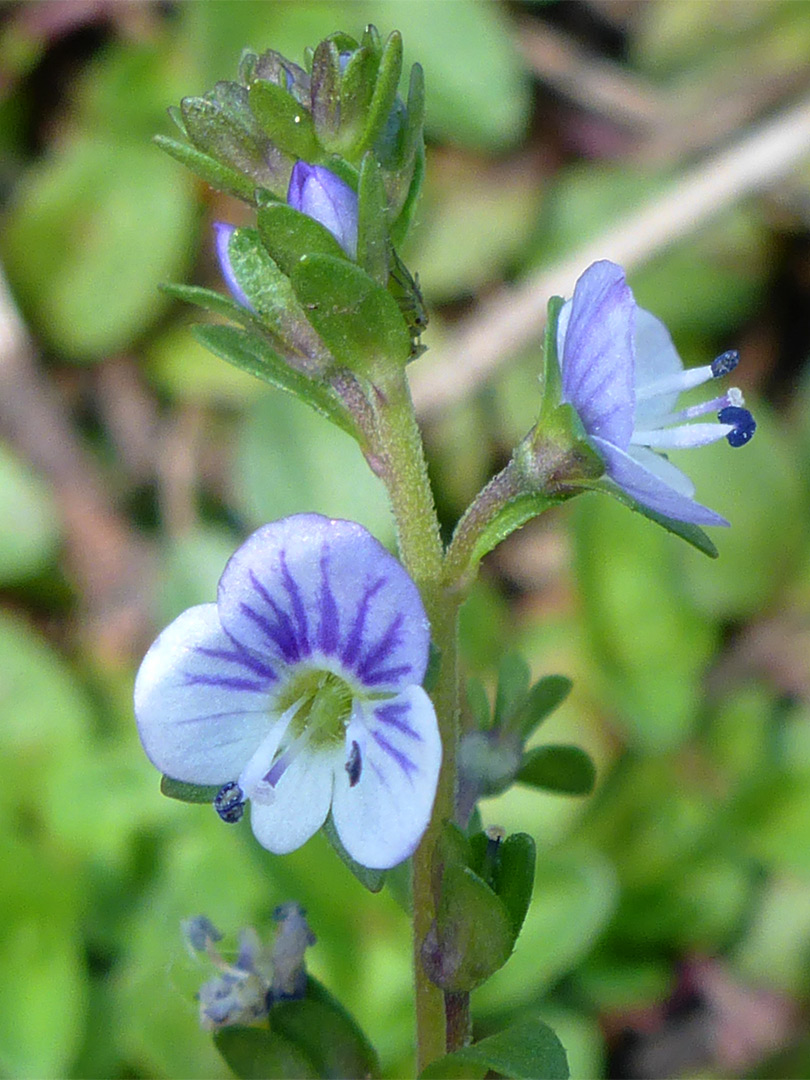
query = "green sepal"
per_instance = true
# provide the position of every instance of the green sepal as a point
(254, 1053)
(552, 375)
(288, 235)
(287, 124)
(213, 172)
(513, 515)
(358, 319)
(545, 696)
(324, 1032)
(525, 1051)
(413, 134)
(373, 880)
(385, 93)
(222, 125)
(252, 354)
(513, 877)
(189, 793)
(402, 223)
(274, 301)
(565, 769)
(209, 300)
(372, 231)
(357, 90)
(692, 534)
(472, 936)
(326, 93)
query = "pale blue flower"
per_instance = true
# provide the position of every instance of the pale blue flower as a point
(317, 192)
(621, 373)
(222, 239)
(302, 686)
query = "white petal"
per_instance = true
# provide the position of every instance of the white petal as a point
(381, 819)
(656, 358)
(663, 469)
(202, 703)
(302, 798)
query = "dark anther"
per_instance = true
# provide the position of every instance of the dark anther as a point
(725, 363)
(744, 424)
(229, 802)
(354, 765)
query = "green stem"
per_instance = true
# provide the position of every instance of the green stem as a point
(404, 471)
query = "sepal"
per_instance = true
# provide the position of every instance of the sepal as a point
(284, 121)
(188, 793)
(288, 235)
(357, 319)
(373, 880)
(567, 770)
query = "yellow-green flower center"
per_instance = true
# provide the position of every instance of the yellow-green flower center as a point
(324, 705)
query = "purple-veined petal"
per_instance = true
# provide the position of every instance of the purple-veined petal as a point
(596, 351)
(317, 192)
(222, 239)
(381, 817)
(303, 794)
(656, 358)
(663, 468)
(650, 490)
(316, 590)
(203, 703)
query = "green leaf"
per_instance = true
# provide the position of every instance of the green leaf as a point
(249, 353)
(513, 877)
(357, 89)
(565, 769)
(479, 703)
(288, 235)
(513, 686)
(372, 231)
(326, 1033)
(209, 300)
(472, 936)
(525, 1051)
(88, 238)
(373, 880)
(509, 518)
(358, 319)
(29, 524)
(189, 793)
(287, 124)
(545, 696)
(213, 172)
(258, 1054)
(274, 301)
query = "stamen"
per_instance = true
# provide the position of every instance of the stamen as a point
(725, 363)
(683, 437)
(354, 764)
(733, 397)
(674, 384)
(744, 424)
(229, 802)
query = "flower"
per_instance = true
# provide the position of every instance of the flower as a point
(316, 191)
(222, 239)
(301, 687)
(621, 373)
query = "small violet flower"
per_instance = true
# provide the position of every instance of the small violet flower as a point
(317, 192)
(299, 690)
(621, 373)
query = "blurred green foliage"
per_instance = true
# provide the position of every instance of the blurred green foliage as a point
(691, 688)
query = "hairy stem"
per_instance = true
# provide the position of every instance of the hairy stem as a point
(405, 474)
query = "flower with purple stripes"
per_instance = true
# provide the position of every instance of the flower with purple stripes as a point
(621, 373)
(300, 691)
